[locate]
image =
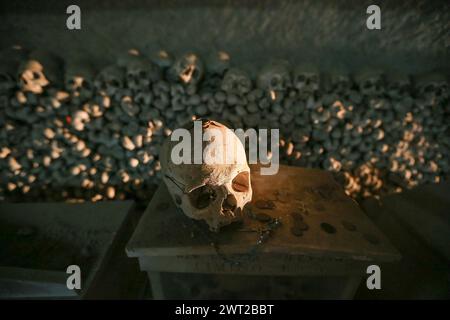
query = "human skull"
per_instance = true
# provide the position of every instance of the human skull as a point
(188, 68)
(370, 82)
(79, 78)
(140, 71)
(80, 119)
(215, 190)
(275, 76)
(32, 77)
(398, 85)
(39, 70)
(342, 82)
(432, 86)
(337, 80)
(306, 78)
(110, 79)
(236, 80)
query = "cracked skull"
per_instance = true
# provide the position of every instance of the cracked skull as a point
(216, 189)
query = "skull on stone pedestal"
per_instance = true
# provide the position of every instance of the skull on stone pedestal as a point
(216, 189)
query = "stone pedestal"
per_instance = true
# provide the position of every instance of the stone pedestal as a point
(301, 237)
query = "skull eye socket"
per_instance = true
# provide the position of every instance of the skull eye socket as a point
(241, 183)
(202, 197)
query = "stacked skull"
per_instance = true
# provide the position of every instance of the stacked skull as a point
(76, 133)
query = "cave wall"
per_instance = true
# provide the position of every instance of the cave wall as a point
(332, 34)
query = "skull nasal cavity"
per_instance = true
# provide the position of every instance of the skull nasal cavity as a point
(241, 183)
(229, 203)
(202, 197)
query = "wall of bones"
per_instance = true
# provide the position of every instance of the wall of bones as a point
(67, 131)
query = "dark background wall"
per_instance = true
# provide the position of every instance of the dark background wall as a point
(415, 35)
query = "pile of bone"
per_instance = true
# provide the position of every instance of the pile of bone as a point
(68, 131)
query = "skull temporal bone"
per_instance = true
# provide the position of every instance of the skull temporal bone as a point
(210, 191)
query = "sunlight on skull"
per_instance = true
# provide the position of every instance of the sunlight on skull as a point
(213, 191)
